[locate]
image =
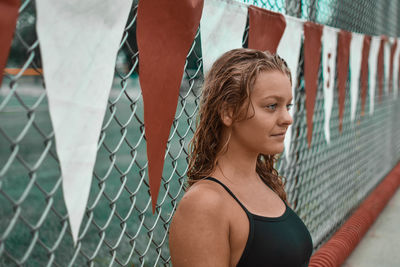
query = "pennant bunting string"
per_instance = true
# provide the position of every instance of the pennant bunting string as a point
(79, 79)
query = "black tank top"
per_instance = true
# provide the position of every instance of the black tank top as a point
(274, 241)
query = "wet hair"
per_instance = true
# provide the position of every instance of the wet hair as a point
(228, 86)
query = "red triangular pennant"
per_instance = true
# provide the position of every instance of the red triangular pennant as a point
(312, 59)
(344, 39)
(265, 29)
(392, 51)
(381, 66)
(8, 20)
(398, 80)
(165, 32)
(364, 71)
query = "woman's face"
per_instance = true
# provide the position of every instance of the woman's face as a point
(264, 130)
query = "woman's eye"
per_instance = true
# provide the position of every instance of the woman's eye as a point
(289, 107)
(272, 107)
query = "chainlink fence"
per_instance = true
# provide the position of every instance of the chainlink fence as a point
(325, 183)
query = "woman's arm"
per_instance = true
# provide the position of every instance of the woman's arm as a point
(199, 231)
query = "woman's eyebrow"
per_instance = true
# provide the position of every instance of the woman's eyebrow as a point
(277, 97)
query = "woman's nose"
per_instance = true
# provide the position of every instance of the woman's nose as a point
(286, 118)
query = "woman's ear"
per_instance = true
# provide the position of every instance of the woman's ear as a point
(226, 116)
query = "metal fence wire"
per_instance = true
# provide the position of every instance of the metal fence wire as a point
(325, 183)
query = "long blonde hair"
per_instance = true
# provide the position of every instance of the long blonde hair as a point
(228, 86)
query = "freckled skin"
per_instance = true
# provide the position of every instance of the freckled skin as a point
(209, 228)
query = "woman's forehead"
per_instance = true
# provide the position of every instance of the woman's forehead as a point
(272, 84)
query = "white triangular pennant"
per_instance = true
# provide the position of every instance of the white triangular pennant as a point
(79, 41)
(372, 66)
(329, 42)
(395, 77)
(289, 50)
(221, 28)
(355, 67)
(386, 64)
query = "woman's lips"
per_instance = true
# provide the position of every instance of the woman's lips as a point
(280, 136)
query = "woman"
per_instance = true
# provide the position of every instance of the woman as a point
(235, 212)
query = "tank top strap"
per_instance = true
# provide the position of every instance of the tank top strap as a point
(229, 191)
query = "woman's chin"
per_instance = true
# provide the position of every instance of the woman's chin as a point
(274, 150)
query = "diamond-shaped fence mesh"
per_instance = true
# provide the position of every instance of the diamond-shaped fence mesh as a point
(325, 183)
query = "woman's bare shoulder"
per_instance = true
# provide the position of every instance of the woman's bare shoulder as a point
(204, 196)
(200, 227)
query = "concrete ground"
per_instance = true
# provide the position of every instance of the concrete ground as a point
(380, 247)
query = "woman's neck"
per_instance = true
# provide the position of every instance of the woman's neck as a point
(237, 167)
